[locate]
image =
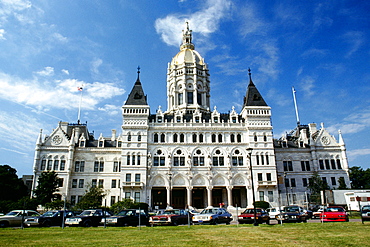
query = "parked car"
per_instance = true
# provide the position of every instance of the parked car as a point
(15, 217)
(212, 216)
(334, 213)
(365, 213)
(292, 214)
(87, 218)
(317, 212)
(170, 217)
(127, 217)
(272, 212)
(50, 218)
(247, 217)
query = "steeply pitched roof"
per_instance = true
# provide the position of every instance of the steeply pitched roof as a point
(137, 96)
(253, 96)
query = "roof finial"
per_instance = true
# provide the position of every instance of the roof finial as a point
(187, 38)
(138, 74)
(250, 76)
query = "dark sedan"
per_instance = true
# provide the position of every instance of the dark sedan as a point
(365, 213)
(50, 218)
(127, 217)
(87, 218)
(292, 214)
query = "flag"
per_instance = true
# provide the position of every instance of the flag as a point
(79, 88)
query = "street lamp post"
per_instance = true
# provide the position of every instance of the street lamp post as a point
(64, 210)
(170, 190)
(255, 223)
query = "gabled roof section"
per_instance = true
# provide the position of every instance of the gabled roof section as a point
(137, 96)
(253, 96)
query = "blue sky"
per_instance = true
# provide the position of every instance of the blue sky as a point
(49, 48)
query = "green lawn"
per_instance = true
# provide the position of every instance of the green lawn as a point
(294, 234)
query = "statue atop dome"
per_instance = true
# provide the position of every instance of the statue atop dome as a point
(187, 38)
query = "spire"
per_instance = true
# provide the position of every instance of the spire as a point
(39, 139)
(137, 97)
(253, 96)
(187, 38)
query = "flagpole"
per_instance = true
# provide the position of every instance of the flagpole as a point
(295, 106)
(79, 105)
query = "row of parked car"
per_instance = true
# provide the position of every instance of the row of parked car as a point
(135, 217)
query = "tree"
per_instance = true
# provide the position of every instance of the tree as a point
(359, 178)
(12, 187)
(316, 186)
(342, 184)
(47, 185)
(92, 199)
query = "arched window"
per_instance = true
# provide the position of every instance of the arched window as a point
(239, 138)
(218, 158)
(179, 158)
(163, 137)
(232, 138)
(198, 158)
(200, 138)
(213, 138)
(237, 158)
(219, 138)
(159, 159)
(175, 138)
(155, 137)
(194, 137)
(182, 137)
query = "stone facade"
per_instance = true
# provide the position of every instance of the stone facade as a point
(190, 154)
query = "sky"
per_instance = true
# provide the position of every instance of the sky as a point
(50, 48)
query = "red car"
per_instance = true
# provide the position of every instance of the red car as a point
(334, 213)
(171, 217)
(247, 217)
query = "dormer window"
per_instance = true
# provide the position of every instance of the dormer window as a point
(159, 120)
(215, 119)
(234, 119)
(119, 144)
(101, 143)
(82, 143)
(178, 119)
(197, 119)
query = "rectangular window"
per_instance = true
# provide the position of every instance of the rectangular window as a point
(288, 166)
(137, 197)
(215, 161)
(128, 160)
(56, 165)
(221, 159)
(82, 166)
(101, 183)
(115, 166)
(262, 195)
(235, 161)
(133, 159)
(94, 182)
(190, 98)
(268, 176)
(333, 181)
(292, 182)
(176, 161)
(128, 177)
(96, 166)
(114, 183)
(199, 99)
(60, 182)
(287, 182)
(258, 160)
(74, 183)
(77, 166)
(180, 99)
(156, 161)
(195, 161)
(327, 165)
(50, 165)
(321, 164)
(43, 165)
(128, 195)
(138, 160)
(270, 195)
(182, 161)
(333, 164)
(81, 183)
(267, 160)
(339, 166)
(137, 178)
(324, 180)
(62, 165)
(259, 176)
(73, 200)
(112, 200)
(101, 166)
(162, 161)
(304, 182)
(201, 161)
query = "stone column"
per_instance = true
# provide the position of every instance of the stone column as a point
(209, 196)
(229, 196)
(168, 195)
(189, 191)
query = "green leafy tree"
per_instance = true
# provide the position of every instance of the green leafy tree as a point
(342, 184)
(47, 185)
(262, 204)
(12, 187)
(92, 199)
(316, 186)
(360, 178)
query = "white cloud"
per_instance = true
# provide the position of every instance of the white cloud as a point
(47, 71)
(13, 8)
(354, 123)
(355, 39)
(352, 154)
(59, 37)
(307, 84)
(95, 65)
(110, 109)
(65, 71)
(204, 22)
(2, 32)
(55, 93)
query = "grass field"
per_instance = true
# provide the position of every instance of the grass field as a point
(299, 234)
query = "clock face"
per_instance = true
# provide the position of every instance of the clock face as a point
(325, 140)
(57, 139)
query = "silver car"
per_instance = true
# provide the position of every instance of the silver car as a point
(15, 217)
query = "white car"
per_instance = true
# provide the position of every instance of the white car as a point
(273, 212)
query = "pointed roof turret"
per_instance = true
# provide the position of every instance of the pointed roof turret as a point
(137, 96)
(253, 96)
